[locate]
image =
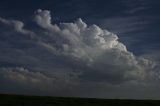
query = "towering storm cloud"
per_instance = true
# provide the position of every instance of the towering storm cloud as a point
(64, 58)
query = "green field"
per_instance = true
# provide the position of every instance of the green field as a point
(20, 100)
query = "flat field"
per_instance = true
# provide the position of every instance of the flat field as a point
(21, 100)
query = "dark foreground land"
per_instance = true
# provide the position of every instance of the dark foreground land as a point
(17, 100)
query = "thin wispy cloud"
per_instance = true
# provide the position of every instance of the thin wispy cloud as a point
(136, 6)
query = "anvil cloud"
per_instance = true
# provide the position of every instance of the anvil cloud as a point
(55, 58)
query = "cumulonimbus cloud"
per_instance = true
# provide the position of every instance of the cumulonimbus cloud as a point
(66, 52)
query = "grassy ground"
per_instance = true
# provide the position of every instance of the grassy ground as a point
(17, 100)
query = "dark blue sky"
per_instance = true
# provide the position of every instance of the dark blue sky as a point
(60, 48)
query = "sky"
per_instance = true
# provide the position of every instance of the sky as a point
(80, 48)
